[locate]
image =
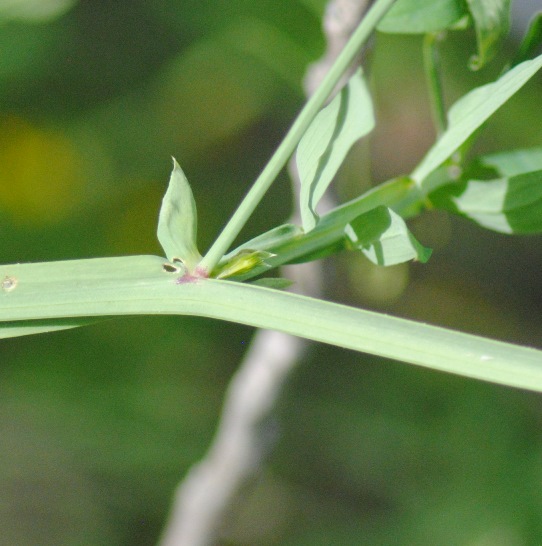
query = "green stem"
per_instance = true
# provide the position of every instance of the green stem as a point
(61, 294)
(328, 235)
(288, 145)
(431, 63)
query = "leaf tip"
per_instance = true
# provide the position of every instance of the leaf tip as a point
(176, 165)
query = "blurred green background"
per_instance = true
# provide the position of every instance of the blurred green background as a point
(99, 424)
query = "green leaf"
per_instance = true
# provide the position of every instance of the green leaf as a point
(34, 11)
(506, 205)
(267, 240)
(422, 16)
(384, 238)
(291, 246)
(326, 142)
(243, 262)
(531, 41)
(491, 22)
(470, 112)
(178, 220)
(278, 283)
(29, 327)
(138, 285)
(324, 251)
(514, 162)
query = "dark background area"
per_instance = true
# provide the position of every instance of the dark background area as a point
(99, 424)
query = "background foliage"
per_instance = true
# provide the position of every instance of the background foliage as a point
(99, 424)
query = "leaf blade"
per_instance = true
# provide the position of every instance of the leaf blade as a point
(31, 327)
(531, 41)
(511, 205)
(470, 112)
(491, 23)
(421, 16)
(382, 235)
(177, 221)
(321, 151)
(513, 162)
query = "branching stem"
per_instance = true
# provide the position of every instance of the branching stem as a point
(287, 146)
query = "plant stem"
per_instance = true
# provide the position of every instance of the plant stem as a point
(431, 63)
(137, 285)
(290, 141)
(328, 235)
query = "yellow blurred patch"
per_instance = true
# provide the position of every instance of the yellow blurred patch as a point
(40, 175)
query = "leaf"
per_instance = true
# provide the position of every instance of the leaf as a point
(514, 162)
(470, 111)
(507, 205)
(177, 222)
(34, 11)
(293, 246)
(244, 261)
(322, 252)
(138, 285)
(422, 16)
(491, 22)
(384, 238)
(25, 328)
(269, 239)
(531, 41)
(278, 283)
(330, 136)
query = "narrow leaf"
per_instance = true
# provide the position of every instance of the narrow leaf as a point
(267, 240)
(34, 11)
(471, 111)
(491, 21)
(330, 136)
(26, 328)
(278, 283)
(531, 41)
(139, 285)
(384, 238)
(421, 16)
(506, 205)
(293, 246)
(514, 162)
(177, 222)
(243, 262)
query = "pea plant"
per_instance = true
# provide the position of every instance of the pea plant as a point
(501, 191)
